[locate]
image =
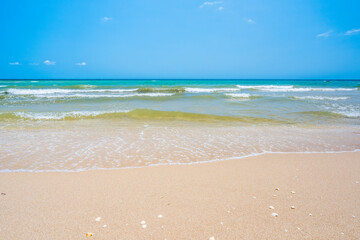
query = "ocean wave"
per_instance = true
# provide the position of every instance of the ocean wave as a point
(3, 85)
(162, 90)
(65, 91)
(332, 114)
(136, 114)
(291, 88)
(350, 114)
(107, 95)
(320, 98)
(63, 115)
(242, 95)
(210, 90)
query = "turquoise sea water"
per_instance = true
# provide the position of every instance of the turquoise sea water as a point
(255, 101)
(74, 125)
(290, 101)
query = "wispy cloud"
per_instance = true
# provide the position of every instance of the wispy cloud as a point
(221, 8)
(106, 19)
(14, 63)
(81, 64)
(325, 34)
(210, 3)
(353, 31)
(249, 20)
(48, 62)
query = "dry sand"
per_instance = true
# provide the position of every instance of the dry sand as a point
(224, 200)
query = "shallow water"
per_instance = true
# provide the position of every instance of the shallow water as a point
(72, 125)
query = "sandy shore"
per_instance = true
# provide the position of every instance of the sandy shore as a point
(224, 200)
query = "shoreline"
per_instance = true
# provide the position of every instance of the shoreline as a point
(196, 201)
(173, 163)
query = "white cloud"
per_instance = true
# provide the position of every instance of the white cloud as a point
(353, 31)
(210, 3)
(81, 64)
(249, 20)
(221, 8)
(14, 63)
(105, 19)
(48, 62)
(325, 34)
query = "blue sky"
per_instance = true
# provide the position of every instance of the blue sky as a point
(180, 39)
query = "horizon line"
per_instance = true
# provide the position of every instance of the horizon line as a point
(319, 79)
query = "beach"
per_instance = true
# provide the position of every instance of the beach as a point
(179, 159)
(234, 199)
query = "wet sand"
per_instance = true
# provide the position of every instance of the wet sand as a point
(223, 200)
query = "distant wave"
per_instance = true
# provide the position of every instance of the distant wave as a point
(108, 95)
(321, 98)
(3, 85)
(210, 90)
(64, 91)
(242, 95)
(290, 88)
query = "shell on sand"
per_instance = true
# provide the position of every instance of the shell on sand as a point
(98, 219)
(272, 207)
(211, 238)
(142, 222)
(143, 226)
(292, 192)
(274, 214)
(89, 234)
(160, 216)
(292, 207)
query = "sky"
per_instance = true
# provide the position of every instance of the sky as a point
(246, 39)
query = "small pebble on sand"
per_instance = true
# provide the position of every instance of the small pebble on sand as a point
(274, 214)
(98, 219)
(143, 226)
(310, 214)
(3, 193)
(89, 234)
(160, 216)
(211, 238)
(292, 207)
(104, 226)
(277, 189)
(142, 222)
(357, 182)
(353, 216)
(271, 207)
(286, 230)
(292, 192)
(254, 197)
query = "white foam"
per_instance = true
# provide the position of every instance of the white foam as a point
(351, 114)
(62, 115)
(238, 95)
(65, 91)
(105, 95)
(321, 98)
(210, 90)
(265, 86)
(291, 88)
(3, 85)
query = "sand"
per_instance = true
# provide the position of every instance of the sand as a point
(273, 196)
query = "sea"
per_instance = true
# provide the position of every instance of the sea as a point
(90, 124)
